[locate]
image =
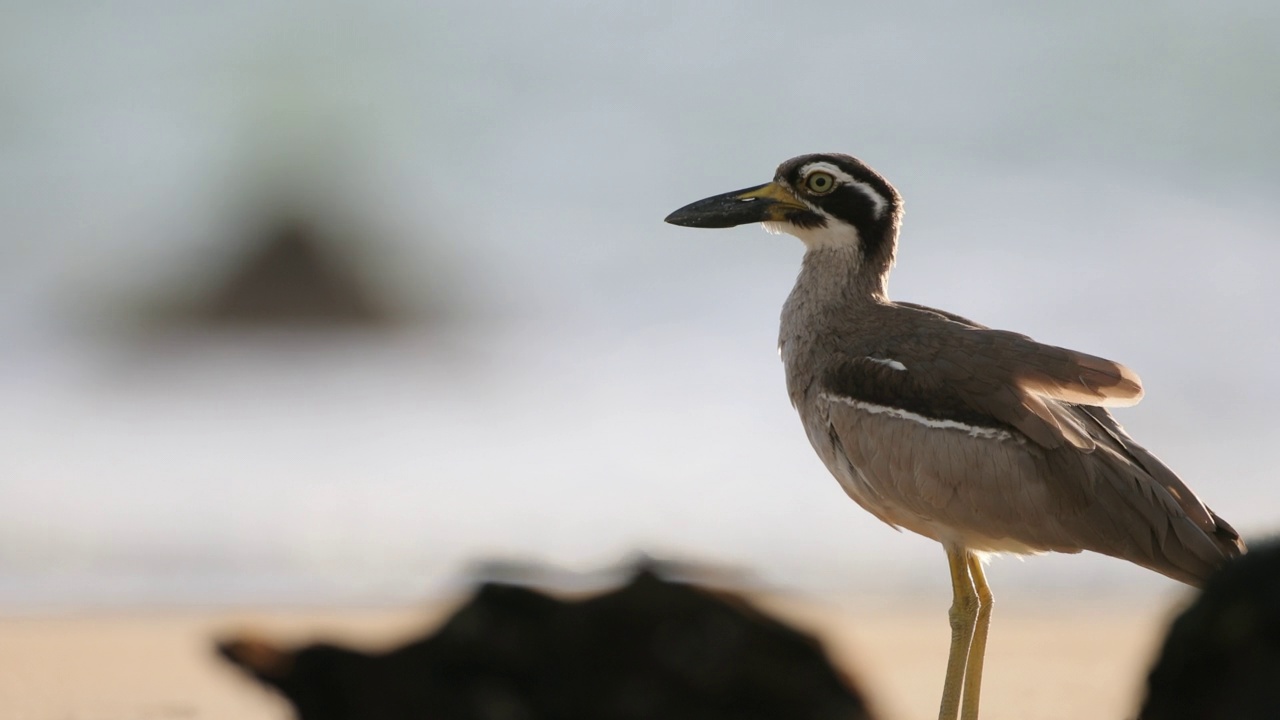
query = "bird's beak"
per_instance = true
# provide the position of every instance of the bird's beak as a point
(770, 202)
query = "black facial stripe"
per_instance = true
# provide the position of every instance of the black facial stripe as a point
(806, 219)
(853, 206)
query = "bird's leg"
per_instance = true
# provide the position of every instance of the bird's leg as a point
(978, 649)
(963, 615)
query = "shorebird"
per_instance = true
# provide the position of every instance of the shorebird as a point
(983, 440)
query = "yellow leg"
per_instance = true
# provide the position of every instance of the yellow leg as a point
(963, 615)
(978, 648)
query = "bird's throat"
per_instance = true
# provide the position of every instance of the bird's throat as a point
(843, 275)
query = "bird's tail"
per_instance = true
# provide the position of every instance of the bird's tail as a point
(1226, 536)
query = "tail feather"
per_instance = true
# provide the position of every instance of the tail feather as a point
(1227, 537)
(1191, 540)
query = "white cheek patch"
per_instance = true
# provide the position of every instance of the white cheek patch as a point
(834, 236)
(879, 201)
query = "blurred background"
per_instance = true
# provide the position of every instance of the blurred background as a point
(323, 302)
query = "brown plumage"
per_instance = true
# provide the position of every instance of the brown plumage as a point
(1034, 473)
(982, 439)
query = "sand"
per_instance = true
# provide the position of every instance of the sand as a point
(1045, 660)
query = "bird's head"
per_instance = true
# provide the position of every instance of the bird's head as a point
(829, 201)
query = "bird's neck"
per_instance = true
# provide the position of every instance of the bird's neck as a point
(835, 296)
(844, 276)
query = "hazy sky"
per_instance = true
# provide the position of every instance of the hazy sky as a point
(1095, 176)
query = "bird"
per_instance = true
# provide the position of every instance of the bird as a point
(981, 439)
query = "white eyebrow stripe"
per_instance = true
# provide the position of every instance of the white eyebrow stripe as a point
(872, 194)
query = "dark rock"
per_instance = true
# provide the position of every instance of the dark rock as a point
(651, 649)
(1221, 659)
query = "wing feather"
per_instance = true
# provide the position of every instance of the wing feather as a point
(958, 370)
(1074, 481)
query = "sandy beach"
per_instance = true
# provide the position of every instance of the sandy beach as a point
(1050, 660)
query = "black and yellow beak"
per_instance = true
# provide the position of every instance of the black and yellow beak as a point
(770, 202)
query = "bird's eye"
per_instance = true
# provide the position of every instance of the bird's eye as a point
(820, 183)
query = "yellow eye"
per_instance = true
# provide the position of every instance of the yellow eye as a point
(820, 183)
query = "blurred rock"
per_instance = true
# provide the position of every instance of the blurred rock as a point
(651, 649)
(547, 575)
(286, 275)
(291, 277)
(1221, 659)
